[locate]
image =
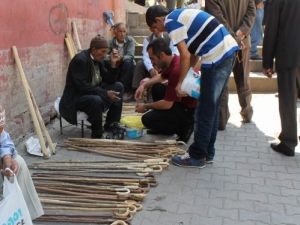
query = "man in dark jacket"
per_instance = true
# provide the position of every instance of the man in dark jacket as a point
(238, 17)
(281, 42)
(91, 87)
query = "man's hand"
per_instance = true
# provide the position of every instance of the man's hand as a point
(240, 36)
(115, 58)
(9, 163)
(140, 107)
(139, 92)
(179, 92)
(153, 72)
(113, 95)
(268, 72)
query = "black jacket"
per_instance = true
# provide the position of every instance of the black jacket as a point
(282, 34)
(78, 83)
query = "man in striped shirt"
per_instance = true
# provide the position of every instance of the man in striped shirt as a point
(198, 34)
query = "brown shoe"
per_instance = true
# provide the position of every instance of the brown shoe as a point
(247, 115)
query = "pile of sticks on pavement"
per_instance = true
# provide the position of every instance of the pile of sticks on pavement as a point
(82, 192)
(124, 149)
(128, 109)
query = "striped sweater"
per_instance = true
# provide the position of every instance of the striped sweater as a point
(203, 35)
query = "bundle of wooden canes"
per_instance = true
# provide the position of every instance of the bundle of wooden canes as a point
(124, 149)
(138, 167)
(96, 199)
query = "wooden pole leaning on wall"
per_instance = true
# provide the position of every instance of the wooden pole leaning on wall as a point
(72, 50)
(30, 104)
(74, 28)
(41, 122)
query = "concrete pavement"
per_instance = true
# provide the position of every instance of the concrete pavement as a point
(248, 184)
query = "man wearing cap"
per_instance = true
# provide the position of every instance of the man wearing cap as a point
(91, 87)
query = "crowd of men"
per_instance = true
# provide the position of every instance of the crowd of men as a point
(100, 78)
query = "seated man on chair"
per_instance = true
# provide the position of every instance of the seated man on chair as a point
(91, 87)
(169, 114)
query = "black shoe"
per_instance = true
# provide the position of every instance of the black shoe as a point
(220, 127)
(256, 57)
(152, 132)
(118, 132)
(96, 135)
(283, 149)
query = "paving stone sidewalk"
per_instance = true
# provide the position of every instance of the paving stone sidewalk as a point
(248, 184)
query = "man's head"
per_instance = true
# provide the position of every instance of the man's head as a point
(98, 48)
(160, 53)
(120, 32)
(155, 17)
(156, 32)
(2, 118)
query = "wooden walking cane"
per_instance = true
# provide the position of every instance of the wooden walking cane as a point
(30, 104)
(41, 122)
(70, 45)
(76, 35)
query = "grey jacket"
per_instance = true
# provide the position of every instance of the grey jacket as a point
(234, 14)
(129, 47)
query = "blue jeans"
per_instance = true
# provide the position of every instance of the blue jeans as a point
(213, 81)
(257, 32)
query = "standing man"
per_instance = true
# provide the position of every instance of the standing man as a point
(198, 34)
(168, 114)
(91, 87)
(238, 17)
(281, 42)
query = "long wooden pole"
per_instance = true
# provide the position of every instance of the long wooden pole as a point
(30, 104)
(41, 122)
(76, 35)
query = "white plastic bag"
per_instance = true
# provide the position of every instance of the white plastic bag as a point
(33, 146)
(191, 83)
(13, 208)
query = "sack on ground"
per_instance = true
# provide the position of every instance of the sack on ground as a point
(13, 208)
(191, 83)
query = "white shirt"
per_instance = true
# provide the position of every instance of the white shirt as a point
(146, 59)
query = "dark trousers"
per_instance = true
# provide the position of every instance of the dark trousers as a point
(139, 74)
(176, 120)
(126, 74)
(213, 81)
(241, 72)
(287, 96)
(94, 106)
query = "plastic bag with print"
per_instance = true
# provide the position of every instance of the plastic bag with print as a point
(13, 208)
(191, 83)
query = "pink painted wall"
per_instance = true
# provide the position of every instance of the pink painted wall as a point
(37, 29)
